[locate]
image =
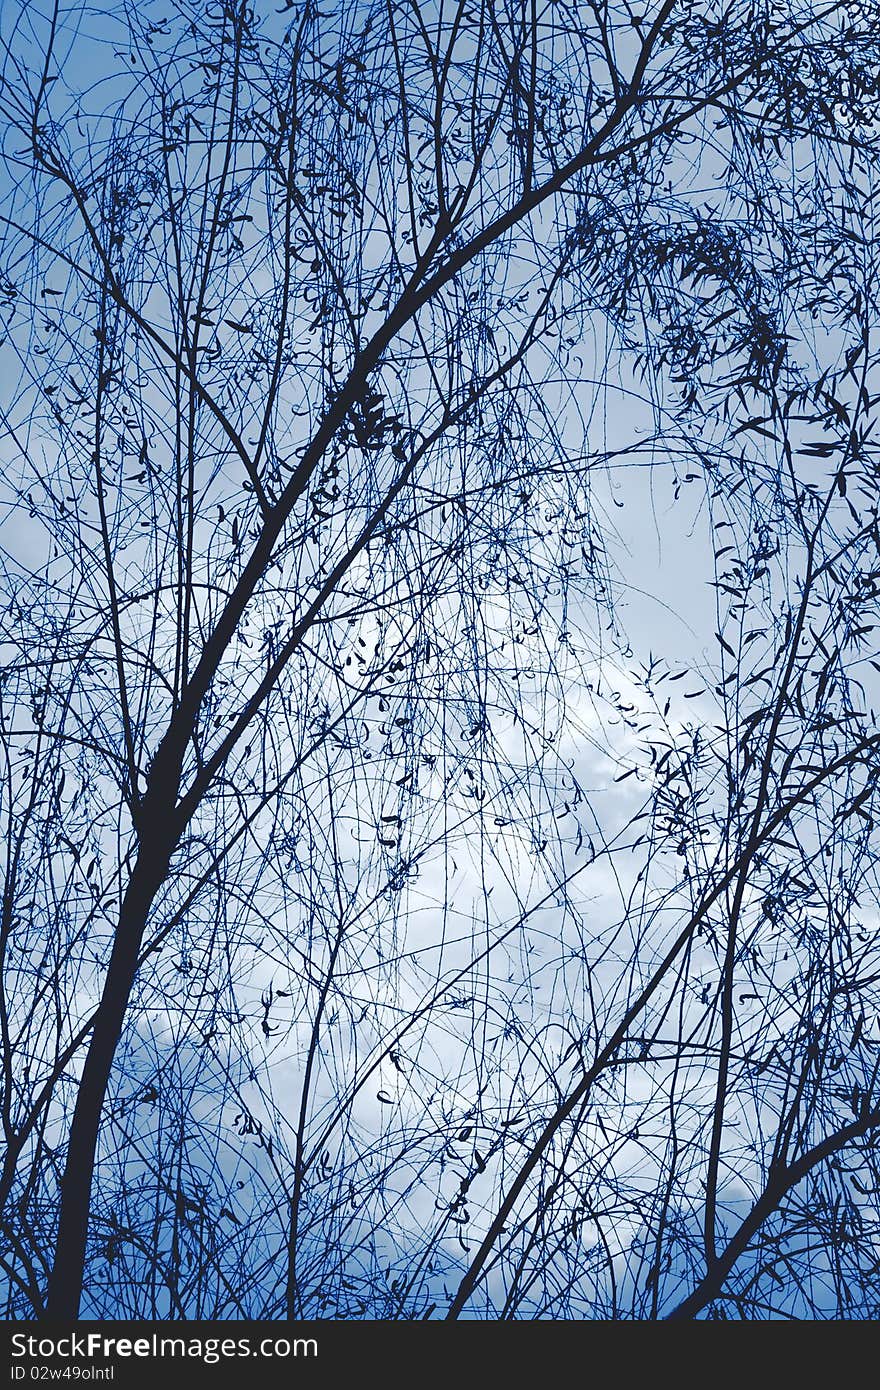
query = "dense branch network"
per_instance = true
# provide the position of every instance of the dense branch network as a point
(387, 929)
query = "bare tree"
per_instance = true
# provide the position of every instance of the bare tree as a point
(387, 929)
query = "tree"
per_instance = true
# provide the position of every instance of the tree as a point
(387, 931)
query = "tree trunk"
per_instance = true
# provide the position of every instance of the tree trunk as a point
(66, 1279)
